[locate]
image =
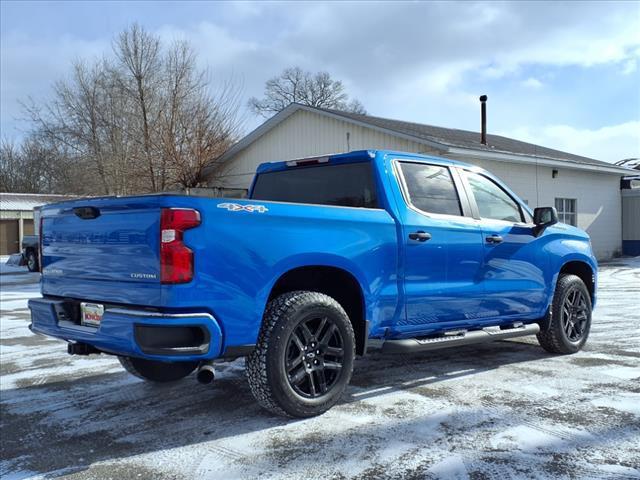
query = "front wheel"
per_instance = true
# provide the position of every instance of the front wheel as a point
(154, 371)
(566, 327)
(304, 357)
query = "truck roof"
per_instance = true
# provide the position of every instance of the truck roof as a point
(354, 156)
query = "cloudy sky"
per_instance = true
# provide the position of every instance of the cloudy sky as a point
(563, 75)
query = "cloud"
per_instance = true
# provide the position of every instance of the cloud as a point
(419, 61)
(30, 65)
(609, 143)
(630, 66)
(532, 82)
(497, 37)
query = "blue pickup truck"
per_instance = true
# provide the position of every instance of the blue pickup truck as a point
(326, 258)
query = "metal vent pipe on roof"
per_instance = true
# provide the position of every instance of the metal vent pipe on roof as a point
(483, 119)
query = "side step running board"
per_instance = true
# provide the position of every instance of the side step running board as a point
(408, 345)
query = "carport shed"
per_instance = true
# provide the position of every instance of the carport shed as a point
(16, 217)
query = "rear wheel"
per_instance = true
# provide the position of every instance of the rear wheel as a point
(155, 371)
(32, 261)
(303, 361)
(566, 327)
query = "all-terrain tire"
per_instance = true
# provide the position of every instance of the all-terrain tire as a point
(266, 367)
(154, 371)
(553, 336)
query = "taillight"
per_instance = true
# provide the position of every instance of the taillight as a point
(176, 259)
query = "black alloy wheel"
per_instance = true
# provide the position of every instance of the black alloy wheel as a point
(314, 356)
(565, 328)
(303, 360)
(575, 314)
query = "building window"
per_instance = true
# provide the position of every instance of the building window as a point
(567, 212)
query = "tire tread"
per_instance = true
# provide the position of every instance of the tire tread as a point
(256, 362)
(550, 336)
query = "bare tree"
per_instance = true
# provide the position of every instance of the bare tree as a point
(33, 166)
(14, 176)
(294, 85)
(355, 106)
(139, 58)
(197, 127)
(76, 121)
(142, 120)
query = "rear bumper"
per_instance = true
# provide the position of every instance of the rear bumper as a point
(135, 333)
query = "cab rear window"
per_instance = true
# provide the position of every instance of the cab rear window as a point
(346, 185)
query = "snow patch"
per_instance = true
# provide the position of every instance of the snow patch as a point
(452, 467)
(625, 402)
(526, 439)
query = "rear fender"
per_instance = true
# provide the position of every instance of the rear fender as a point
(318, 260)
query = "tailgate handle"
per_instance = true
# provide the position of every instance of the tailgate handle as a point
(86, 213)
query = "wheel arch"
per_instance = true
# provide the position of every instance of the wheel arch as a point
(584, 271)
(338, 283)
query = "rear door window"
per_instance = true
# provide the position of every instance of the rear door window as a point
(347, 185)
(431, 188)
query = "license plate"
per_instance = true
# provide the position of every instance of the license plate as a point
(91, 314)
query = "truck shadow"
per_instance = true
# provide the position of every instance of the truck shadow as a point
(66, 424)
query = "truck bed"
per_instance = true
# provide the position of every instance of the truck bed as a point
(239, 252)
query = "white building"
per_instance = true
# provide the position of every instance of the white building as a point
(585, 191)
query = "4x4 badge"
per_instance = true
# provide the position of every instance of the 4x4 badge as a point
(236, 207)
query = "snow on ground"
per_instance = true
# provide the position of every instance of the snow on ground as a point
(502, 410)
(13, 274)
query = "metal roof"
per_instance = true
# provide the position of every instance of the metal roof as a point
(633, 163)
(447, 140)
(28, 201)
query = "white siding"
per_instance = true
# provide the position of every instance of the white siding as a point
(306, 134)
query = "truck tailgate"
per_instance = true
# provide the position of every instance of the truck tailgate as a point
(103, 249)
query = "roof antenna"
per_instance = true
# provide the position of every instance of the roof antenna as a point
(483, 119)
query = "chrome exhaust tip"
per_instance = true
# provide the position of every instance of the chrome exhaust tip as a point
(206, 373)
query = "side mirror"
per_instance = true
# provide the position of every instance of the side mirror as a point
(544, 217)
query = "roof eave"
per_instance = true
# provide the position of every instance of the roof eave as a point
(535, 160)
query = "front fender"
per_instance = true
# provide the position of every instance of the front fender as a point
(561, 249)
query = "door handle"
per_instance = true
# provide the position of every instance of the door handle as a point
(420, 236)
(494, 239)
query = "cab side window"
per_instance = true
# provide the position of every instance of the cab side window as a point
(493, 202)
(431, 188)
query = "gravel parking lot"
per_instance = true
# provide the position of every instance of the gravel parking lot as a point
(502, 410)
